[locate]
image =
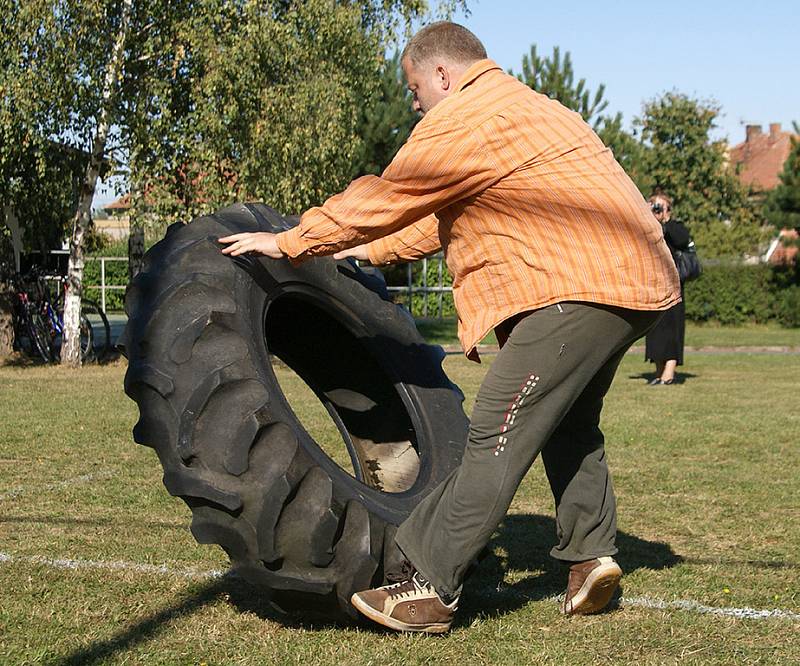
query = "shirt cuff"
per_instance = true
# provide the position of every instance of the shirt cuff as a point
(379, 252)
(290, 243)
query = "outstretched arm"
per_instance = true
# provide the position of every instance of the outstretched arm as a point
(440, 164)
(409, 244)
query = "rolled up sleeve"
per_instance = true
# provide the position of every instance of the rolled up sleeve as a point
(440, 164)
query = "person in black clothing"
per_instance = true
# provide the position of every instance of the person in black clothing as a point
(664, 342)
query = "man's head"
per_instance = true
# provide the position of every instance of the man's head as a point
(661, 205)
(434, 60)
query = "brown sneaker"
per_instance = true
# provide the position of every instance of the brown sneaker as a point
(591, 586)
(410, 605)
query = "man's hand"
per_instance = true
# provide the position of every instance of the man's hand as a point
(358, 252)
(260, 242)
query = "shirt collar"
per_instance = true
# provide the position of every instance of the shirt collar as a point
(475, 70)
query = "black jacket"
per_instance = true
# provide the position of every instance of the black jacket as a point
(677, 235)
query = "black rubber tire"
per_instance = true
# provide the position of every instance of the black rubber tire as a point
(201, 332)
(95, 332)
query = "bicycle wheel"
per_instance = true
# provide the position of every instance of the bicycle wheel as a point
(38, 334)
(100, 331)
(95, 331)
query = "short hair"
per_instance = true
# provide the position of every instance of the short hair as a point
(659, 194)
(444, 39)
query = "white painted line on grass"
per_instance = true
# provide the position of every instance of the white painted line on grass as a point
(164, 570)
(84, 478)
(160, 569)
(696, 607)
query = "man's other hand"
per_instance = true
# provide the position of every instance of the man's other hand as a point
(260, 242)
(358, 252)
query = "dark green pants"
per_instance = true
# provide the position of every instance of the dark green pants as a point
(543, 393)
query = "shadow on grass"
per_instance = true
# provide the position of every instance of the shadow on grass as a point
(20, 360)
(227, 589)
(522, 541)
(680, 377)
(523, 544)
(147, 628)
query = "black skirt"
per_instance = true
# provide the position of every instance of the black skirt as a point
(664, 342)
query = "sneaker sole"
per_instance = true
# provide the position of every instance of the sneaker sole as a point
(596, 591)
(391, 623)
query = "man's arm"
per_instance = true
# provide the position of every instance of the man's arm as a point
(409, 244)
(413, 242)
(441, 163)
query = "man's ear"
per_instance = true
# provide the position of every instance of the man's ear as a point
(443, 76)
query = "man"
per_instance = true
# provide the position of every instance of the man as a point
(549, 244)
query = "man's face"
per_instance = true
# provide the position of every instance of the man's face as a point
(660, 209)
(429, 84)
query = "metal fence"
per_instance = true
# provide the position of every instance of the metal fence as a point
(405, 294)
(402, 294)
(103, 287)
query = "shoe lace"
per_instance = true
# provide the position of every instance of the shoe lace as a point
(415, 583)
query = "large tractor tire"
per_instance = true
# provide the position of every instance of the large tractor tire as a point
(203, 334)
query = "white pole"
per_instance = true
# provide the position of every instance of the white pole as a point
(103, 284)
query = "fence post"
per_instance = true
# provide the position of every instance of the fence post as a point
(425, 287)
(103, 284)
(441, 287)
(410, 289)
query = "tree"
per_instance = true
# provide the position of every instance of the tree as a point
(627, 149)
(386, 120)
(555, 78)
(684, 162)
(71, 346)
(263, 104)
(783, 203)
(206, 102)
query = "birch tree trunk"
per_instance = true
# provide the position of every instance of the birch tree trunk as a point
(71, 347)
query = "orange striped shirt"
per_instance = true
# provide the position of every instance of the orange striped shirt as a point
(527, 203)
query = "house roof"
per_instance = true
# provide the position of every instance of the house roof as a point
(759, 159)
(122, 203)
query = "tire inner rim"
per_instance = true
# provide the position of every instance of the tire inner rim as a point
(352, 410)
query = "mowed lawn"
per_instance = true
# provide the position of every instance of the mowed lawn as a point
(97, 565)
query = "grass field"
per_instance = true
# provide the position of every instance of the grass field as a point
(97, 565)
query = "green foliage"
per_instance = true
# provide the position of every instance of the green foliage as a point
(555, 77)
(787, 306)
(39, 172)
(628, 151)
(385, 121)
(731, 294)
(686, 164)
(422, 305)
(116, 275)
(261, 101)
(219, 99)
(783, 203)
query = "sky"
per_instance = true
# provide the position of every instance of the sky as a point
(743, 55)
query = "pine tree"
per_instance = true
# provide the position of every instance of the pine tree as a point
(555, 78)
(628, 151)
(386, 120)
(783, 203)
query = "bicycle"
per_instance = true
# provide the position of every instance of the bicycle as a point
(31, 329)
(95, 330)
(47, 317)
